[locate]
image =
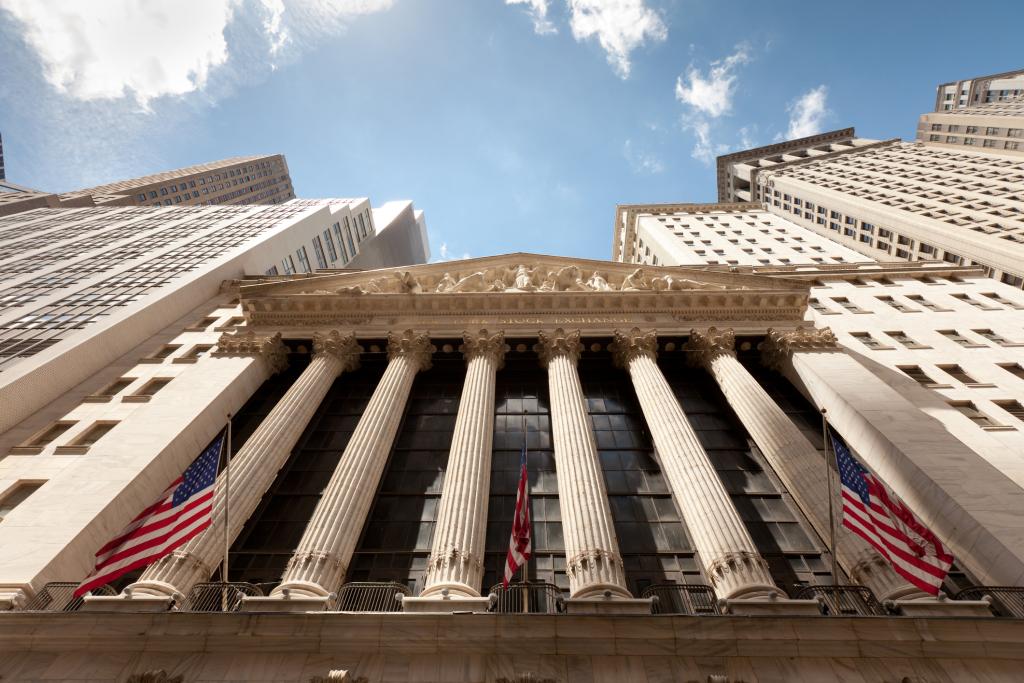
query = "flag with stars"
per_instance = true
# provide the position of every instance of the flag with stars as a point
(183, 511)
(873, 512)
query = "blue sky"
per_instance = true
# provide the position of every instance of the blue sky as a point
(516, 125)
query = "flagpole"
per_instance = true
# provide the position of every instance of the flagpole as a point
(227, 507)
(831, 499)
(526, 588)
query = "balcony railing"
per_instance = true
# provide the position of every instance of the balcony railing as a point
(528, 597)
(844, 601)
(682, 598)
(58, 596)
(370, 596)
(217, 597)
(1005, 601)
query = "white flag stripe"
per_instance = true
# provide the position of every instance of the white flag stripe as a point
(158, 549)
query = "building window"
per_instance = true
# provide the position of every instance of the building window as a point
(329, 241)
(1014, 408)
(958, 373)
(16, 495)
(94, 433)
(161, 354)
(958, 338)
(115, 387)
(194, 354)
(153, 386)
(47, 436)
(899, 306)
(915, 373)
(971, 411)
(318, 251)
(1004, 301)
(848, 305)
(921, 301)
(905, 340)
(994, 338)
(867, 340)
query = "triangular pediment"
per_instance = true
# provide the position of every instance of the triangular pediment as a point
(519, 273)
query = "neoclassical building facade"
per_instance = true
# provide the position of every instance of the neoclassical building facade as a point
(671, 419)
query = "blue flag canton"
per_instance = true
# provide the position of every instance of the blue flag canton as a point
(851, 473)
(200, 474)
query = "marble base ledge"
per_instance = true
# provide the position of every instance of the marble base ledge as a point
(304, 603)
(445, 605)
(608, 605)
(943, 607)
(122, 603)
(773, 607)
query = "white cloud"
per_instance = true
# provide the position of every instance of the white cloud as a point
(620, 27)
(807, 113)
(704, 149)
(641, 161)
(712, 95)
(445, 254)
(538, 10)
(139, 49)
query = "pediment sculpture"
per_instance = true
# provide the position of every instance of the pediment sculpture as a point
(525, 278)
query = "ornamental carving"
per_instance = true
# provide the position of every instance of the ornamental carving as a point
(558, 343)
(525, 278)
(271, 349)
(415, 347)
(742, 562)
(591, 560)
(338, 676)
(633, 344)
(155, 676)
(451, 557)
(342, 346)
(778, 346)
(301, 560)
(704, 347)
(486, 345)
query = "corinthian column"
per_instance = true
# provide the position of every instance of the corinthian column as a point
(255, 466)
(731, 561)
(322, 556)
(456, 558)
(592, 562)
(797, 462)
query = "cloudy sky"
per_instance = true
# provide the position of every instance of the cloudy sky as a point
(515, 124)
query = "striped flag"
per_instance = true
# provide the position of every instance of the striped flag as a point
(873, 512)
(520, 547)
(183, 511)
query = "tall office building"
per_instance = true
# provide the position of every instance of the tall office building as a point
(3, 173)
(83, 286)
(996, 127)
(980, 90)
(234, 181)
(895, 200)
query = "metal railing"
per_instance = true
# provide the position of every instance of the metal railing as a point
(58, 596)
(682, 598)
(371, 596)
(1005, 601)
(844, 601)
(528, 597)
(217, 597)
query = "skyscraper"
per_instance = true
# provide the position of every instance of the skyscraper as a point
(979, 90)
(3, 173)
(996, 127)
(234, 181)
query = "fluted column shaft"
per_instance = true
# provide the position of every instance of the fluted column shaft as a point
(456, 558)
(793, 458)
(593, 562)
(322, 556)
(731, 560)
(253, 469)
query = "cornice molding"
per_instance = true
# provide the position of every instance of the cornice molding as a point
(414, 346)
(343, 347)
(269, 347)
(633, 344)
(483, 344)
(704, 347)
(558, 343)
(778, 346)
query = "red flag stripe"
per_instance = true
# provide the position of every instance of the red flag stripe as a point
(155, 540)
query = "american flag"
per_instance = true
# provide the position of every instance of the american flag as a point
(520, 547)
(877, 515)
(183, 511)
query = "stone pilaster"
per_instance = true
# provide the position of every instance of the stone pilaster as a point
(778, 346)
(322, 556)
(254, 466)
(593, 562)
(456, 558)
(731, 561)
(793, 458)
(271, 349)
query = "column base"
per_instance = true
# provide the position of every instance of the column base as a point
(772, 606)
(445, 605)
(14, 597)
(126, 603)
(279, 603)
(942, 607)
(608, 605)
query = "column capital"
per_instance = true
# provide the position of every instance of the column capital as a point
(484, 344)
(558, 343)
(342, 346)
(778, 345)
(270, 348)
(704, 347)
(633, 344)
(414, 346)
